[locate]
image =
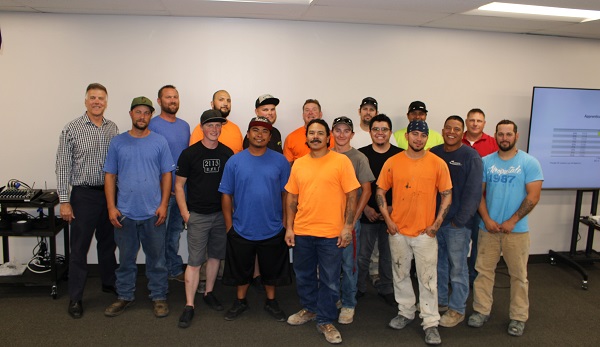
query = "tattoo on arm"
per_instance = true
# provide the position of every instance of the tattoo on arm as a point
(525, 208)
(350, 208)
(446, 192)
(380, 201)
(294, 206)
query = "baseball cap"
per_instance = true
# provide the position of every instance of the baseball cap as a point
(417, 105)
(261, 122)
(266, 99)
(141, 100)
(418, 125)
(368, 101)
(211, 116)
(343, 120)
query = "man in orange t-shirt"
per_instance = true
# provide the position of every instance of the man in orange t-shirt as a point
(416, 176)
(321, 204)
(295, 145)
(231, 136)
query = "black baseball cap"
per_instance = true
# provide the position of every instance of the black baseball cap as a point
(417, 106)
(212, 116)
(368, 101)
(266, 99)
(343, 120)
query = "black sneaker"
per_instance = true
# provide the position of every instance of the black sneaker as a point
(211, 300)
(272, 307)
(238, 307)
(186, 317)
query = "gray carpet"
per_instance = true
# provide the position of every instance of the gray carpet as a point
(561, 314)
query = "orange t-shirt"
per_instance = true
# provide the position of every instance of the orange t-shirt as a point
(295, 146)
(231, 136)
(321, 185)
(415, 183)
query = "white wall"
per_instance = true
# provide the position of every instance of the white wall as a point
(46, 61)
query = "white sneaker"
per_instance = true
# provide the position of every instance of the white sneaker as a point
(346, 315)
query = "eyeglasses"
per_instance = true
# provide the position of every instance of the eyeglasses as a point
(377, 129)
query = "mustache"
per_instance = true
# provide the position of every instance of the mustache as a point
(316, 141)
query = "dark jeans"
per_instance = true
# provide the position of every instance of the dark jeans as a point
(318, 293)
(369, 234)
(89, 209)
(474, 238)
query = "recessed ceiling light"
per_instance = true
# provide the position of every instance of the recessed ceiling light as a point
(293, 2)
(535, 12)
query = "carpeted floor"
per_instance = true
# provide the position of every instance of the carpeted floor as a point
(561, 314)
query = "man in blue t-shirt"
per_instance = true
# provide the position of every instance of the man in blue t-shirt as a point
(253, 195)
(454, 236)
(177, 133)
(139, 163)
(512, 183)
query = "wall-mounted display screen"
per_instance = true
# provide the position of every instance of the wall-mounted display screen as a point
(564, 135)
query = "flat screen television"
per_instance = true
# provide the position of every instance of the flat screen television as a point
(564, 135)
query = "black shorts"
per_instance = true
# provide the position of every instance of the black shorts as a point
(273, 260)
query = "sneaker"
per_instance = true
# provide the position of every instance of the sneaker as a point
(178, 278)
(161, 308)
(389, 299)
(201, 287)
(301, 317)
(399, 322)
(516, 327)
(257, 284)
(432, 336)
(186, 317)
(272, 306)
(211, 300)
(332, 335)
(346, 315)
(451, 319)
(477, 319)
(238, 307)
(117, 308)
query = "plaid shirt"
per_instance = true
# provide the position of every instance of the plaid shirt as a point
(81, 153)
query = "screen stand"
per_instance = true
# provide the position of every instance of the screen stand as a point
(576, 258)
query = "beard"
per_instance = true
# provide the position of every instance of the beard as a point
(416, 149)
(140, 127)
(505, 148)
(170, 109)
(223, 113)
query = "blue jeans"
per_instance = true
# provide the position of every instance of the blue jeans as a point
(474, 239)
(152, 238)
(350, 270)
(318, 294)
(174, 228)
(453, 248)
(369, 234)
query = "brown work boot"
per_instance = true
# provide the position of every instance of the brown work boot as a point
(161, 308)
(117, 308)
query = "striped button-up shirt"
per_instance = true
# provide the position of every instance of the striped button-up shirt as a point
(81, 153)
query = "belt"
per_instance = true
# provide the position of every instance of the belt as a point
(92, 187)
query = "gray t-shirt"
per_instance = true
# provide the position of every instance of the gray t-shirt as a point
(361, 168)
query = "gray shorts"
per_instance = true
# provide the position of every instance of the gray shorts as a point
(206, 237)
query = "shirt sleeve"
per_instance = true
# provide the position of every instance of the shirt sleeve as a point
(64, 162)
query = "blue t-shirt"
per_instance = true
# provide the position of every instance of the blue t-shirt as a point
(139, 164)
(505, 182)
(177, 134)
(256, 184)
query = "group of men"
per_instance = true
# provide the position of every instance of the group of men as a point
(246, 199)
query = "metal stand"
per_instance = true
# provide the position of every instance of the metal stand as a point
(574, 258)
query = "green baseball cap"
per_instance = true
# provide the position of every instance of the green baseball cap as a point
(141, 100)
